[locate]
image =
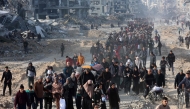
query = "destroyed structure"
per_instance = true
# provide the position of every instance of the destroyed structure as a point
(59, 8)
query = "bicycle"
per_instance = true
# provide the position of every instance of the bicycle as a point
(181, 100)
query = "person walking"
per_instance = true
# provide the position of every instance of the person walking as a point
(31, 96)
(47, 93)
(21, 99)
(62, 49)
(171, 60)
(179, 77)
(68, 70)
(136, 77)
(160, 80)
(7, 77)
(113, 96)
(152, 59)
(38, 89)
(159, 47)
(163, 64)
(57, 91)
(81, 59)
(30, 73)
(143, 56)
(68, 93)
(25, 45)
(149, 82)
(114, 69)
(87, 75)
(127, 78)
(87, 94)
(185, 82)
(105, 78)
(164, 104)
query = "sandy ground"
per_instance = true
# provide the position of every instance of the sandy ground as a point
(49, 55)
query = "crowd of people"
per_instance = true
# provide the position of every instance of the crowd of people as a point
(123, 59)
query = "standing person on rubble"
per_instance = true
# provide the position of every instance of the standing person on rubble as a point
(7, 77)
(62, 49)
(30, 73)
(25, 45)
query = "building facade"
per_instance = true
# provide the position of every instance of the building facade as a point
(59, 8)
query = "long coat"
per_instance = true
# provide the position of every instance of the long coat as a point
(113, 98)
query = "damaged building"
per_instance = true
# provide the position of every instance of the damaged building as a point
(59, 8)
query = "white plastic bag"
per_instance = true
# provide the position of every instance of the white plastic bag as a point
(155, 88)
(62, 104)
(103, 98)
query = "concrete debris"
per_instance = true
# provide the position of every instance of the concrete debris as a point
(40, 30)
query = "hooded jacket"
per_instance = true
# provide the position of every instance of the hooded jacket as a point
(21, 99)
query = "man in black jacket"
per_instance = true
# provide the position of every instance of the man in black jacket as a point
(160, 80)
(171, 60)
(7, 77)
(105, 78)
(179, 77)
(47, 93)
(163, 64)
(143, 56)
(104, 63)
(149, 82)
(87, 75)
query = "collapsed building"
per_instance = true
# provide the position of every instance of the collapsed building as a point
(59, 8)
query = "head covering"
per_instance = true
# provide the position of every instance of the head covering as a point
(6, 67)
(73, 76)
(49, 72)
(21, 86)
(89, 89)
(70, 84)
(111, 84)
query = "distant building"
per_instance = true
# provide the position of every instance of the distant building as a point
(59, 8)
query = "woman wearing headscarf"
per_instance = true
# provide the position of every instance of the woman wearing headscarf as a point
(136, 80)
(87, 94)
(57, 90)
(74, 80)
(127, 75)
(142, 72)
(68, 93)
(113, 97)
(138, 63)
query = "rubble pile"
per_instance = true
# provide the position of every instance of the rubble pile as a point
(6, 104)
(95, 33)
